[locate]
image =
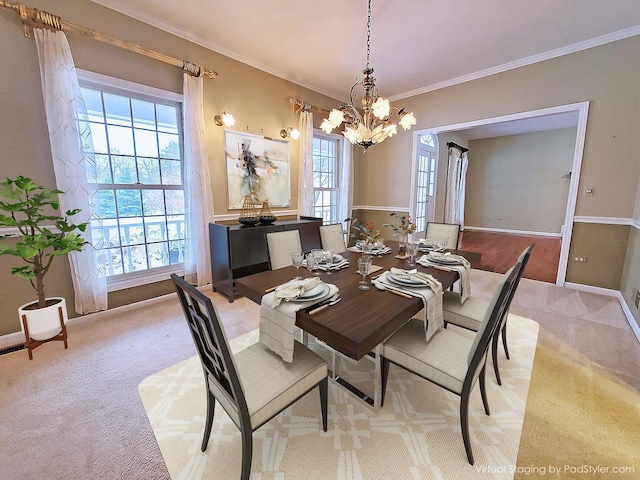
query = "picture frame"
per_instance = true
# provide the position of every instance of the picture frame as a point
(257, 166)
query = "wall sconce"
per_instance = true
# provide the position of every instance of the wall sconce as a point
(225, 119)
(290, 132)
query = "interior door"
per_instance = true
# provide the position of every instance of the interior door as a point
(424, 201)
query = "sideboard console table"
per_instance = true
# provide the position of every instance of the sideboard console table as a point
(238, 250)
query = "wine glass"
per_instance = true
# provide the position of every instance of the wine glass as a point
(318, 256)
(328, 259)
(311, 263)
(364, 265)
(296, 258)
(412, 249)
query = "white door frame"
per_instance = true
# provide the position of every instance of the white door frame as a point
(414, 163)
(582, 108)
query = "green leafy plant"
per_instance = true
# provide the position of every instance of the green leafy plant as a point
(406, 224)
(25, 206)
(365, 230)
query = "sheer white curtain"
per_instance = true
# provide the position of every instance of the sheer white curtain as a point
(305, 170)
(62, 98)
(456, 186)
(345, 200)
(197, 190)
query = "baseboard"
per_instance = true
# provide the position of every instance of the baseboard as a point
(515, 232)
(610, 293)
(17, 338)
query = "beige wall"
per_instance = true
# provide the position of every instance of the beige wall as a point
(520, 182)
(258, 101)
(606, 76)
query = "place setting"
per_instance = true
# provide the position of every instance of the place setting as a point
(374, 249)
(278, 310)
(414, 283)
(450, 262)
(323, 260)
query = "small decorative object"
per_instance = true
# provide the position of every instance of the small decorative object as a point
(31, 210)
(266, 215)
(249, 213)
(368, 234)
(401, 231)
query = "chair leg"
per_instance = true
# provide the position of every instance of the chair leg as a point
(324, 391)
(464, 423)
(494, 355)
(483, 390)
(504, 339)
(211, 408)
(247, 451)
(385, 377)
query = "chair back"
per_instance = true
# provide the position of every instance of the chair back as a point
(480, 346)
(218, 364)
(281, 245)
(332, 238)
(450, 231)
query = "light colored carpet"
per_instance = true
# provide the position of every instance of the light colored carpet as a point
(416, 435)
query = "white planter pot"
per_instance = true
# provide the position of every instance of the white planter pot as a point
(44, 323)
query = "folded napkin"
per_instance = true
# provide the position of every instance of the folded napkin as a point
(463, 267)
(277, 323)
(430, 293)
(334, 266)
(376, 251)
(413, 276)
(292, 290)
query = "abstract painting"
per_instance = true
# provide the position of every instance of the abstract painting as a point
(257, 166)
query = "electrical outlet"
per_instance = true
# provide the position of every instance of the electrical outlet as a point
(588, 191)
(580, 259)
(636, 300)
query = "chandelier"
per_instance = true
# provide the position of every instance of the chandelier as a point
(374, 124)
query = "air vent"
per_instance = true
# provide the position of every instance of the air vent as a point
(15, 348)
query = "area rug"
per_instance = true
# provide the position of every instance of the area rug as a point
(416, 435)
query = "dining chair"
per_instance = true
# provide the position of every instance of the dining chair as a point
(332, 238)
(253, 385)
(450, 231)
(450, 360)
(469, 315)
(281, 245)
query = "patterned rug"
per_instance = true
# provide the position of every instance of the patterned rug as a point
(416, 435)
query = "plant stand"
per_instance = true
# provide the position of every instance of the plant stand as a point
(33, 344)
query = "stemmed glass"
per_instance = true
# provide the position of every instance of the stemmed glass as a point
(412, 249)
(318, 256)
(364, 265)
(328, 259)
(296, 258)
(311, 263)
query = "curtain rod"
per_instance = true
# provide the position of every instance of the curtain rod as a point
(32, 17)
(455, 145)
(299, 105)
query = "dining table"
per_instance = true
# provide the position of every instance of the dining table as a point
(356, 326)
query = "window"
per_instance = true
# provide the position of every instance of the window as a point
(136, 143)
(427, 159)
(326, 186)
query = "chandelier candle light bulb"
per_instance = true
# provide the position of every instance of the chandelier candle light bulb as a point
(373, 125)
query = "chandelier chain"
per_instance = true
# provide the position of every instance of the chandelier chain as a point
(368, 34)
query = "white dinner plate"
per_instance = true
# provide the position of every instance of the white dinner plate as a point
(403, 282)
(315, 293)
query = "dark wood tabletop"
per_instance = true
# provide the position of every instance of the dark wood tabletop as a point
(364, 318)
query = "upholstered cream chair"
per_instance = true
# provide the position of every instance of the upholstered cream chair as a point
(332, 238)
(449, 360)
(281, 245)
(252, 386)
(450, 231)
(469, 315)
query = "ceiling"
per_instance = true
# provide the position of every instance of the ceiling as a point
(416, 45)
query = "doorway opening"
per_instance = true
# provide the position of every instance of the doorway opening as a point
(537, 120)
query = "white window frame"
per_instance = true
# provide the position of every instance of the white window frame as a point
(338, 139)
(115, 85)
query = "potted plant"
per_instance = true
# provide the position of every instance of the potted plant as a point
(40, 236)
